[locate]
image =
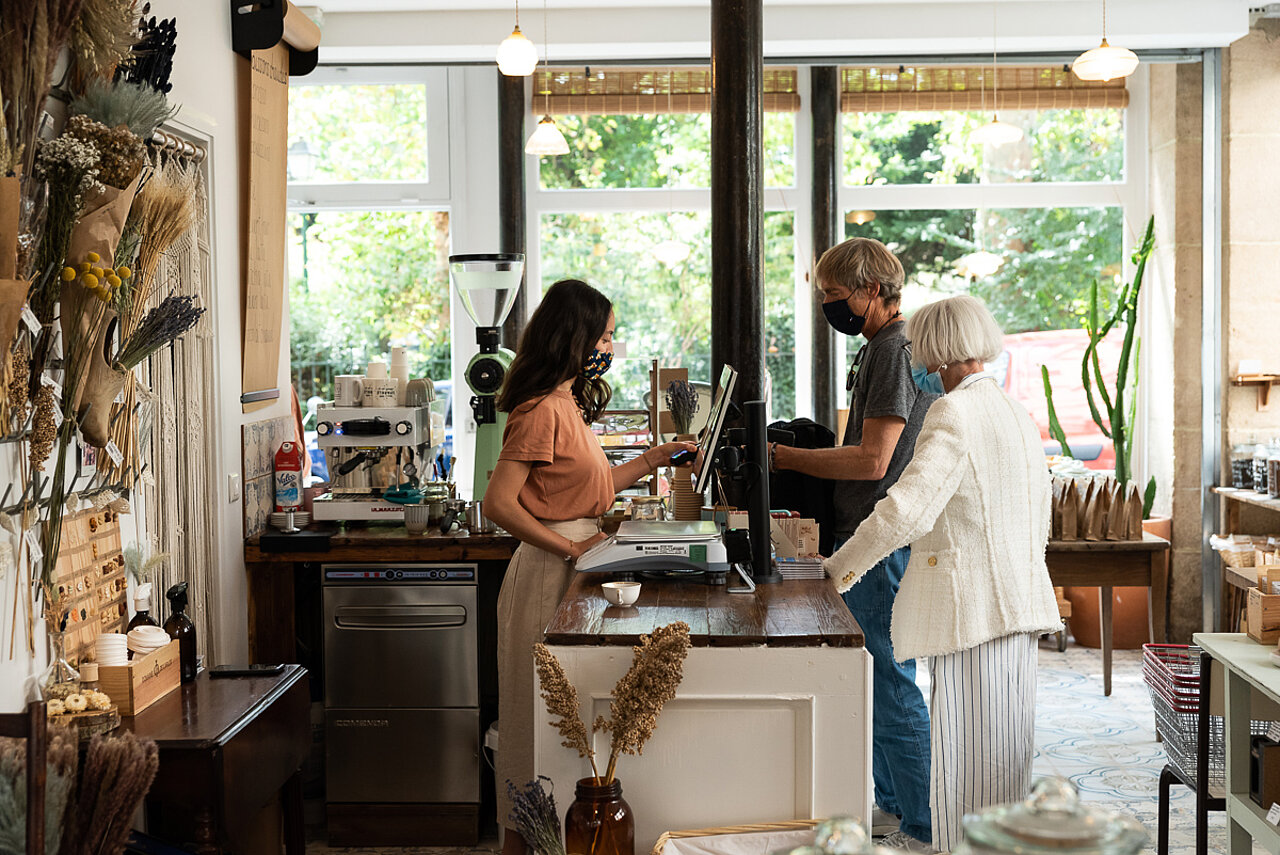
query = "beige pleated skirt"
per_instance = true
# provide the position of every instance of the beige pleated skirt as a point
(535, 583)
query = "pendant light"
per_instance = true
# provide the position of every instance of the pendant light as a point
(1105, 62)
(671, 251)
(995, 132)
(517, 56)
(546, 140)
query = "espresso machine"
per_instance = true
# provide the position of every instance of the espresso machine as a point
(373, 453)
(488, 284)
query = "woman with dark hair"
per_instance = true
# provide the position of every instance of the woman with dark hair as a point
(549, 488)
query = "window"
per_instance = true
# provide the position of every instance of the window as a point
(1027, 227)
(636, 178)
(368, 235)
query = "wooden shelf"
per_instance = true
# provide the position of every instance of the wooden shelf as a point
(1263, 383)
(1248, 497)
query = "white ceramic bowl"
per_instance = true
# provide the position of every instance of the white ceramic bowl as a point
(621, 593)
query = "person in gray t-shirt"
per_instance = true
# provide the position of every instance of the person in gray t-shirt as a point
(861, 282)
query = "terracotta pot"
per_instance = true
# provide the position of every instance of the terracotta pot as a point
(1130, 616)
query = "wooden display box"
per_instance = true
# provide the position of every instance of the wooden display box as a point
(142, 682)
(1263, 611)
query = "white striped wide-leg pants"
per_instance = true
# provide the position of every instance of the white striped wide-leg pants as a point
(982, 715)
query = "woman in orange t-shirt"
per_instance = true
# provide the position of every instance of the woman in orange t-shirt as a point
(549, 488)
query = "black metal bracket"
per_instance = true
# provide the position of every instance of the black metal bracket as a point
(259, 25)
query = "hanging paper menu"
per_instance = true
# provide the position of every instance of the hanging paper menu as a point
(265, 100)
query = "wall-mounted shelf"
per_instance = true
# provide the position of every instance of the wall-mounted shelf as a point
(1263, 382)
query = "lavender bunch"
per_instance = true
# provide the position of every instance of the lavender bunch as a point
(161, 326)
(534, 815)
(682, 401)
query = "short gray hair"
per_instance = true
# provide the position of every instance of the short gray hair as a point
(860, 261)
(953, 330)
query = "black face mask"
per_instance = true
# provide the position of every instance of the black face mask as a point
(842, 318)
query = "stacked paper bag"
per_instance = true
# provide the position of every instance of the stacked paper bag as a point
(1095, 509)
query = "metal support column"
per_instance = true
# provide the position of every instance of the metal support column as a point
(737, 193)
(825, 107)
(1211, 344)
(511, 196)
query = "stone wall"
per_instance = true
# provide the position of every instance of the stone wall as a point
(1175, 270)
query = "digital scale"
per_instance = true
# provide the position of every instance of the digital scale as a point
(681, 547)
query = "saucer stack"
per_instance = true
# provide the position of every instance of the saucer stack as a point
(112, 648)
(147, 639)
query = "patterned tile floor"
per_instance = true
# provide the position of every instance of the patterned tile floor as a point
(1105, 745)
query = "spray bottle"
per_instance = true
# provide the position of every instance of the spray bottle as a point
(179, 626)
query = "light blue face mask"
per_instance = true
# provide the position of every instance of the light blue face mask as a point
(931, 383)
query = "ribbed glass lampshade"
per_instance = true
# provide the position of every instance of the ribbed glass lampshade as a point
(517, 56)
(1105, 63)
(546, 139)
(996, 132)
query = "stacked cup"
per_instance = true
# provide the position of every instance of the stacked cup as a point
(147, 639)
(111, 648)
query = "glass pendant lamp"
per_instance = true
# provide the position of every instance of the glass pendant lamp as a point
(995, 132)
(546, 139)
(1105, 62)
(517, 56)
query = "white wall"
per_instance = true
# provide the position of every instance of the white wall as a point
(204, 84)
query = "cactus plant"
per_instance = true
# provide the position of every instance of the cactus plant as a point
(1113, 410)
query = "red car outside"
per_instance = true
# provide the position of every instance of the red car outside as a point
(1018, 371)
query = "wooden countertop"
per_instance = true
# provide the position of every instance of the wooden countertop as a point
(382, 542)
(789, 614)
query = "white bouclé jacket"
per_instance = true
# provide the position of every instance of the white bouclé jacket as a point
(974, 505)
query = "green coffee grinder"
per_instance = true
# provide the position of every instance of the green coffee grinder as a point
(488, 285)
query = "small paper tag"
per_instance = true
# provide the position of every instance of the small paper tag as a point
(114, 453)
(33, 545)
(1273, 815)
(119, 397)
(46, 380)
(29, 318)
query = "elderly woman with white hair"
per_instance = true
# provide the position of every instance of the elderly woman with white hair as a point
(974, 505)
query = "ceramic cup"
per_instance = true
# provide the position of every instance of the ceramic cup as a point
(380, 393)
(348, 390)
(417, 517)
(621, 593)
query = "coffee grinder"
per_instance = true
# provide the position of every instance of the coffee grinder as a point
(488, 284)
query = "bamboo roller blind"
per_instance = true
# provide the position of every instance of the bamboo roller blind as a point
(621, 91)
(892, 89)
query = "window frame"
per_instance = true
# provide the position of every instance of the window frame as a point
(367, 194)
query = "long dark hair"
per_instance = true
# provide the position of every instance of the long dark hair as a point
(562, 333)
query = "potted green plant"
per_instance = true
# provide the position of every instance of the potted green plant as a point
(1113, 410)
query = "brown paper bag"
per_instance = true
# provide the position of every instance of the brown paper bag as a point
(10, 205)
(1091, 512)
(1135, 513)
(98, 231)
(13, 296)
(1117, 513)
(1070, 511)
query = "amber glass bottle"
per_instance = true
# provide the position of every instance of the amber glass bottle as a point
(142, 608)
(599, 821)
(179, 626)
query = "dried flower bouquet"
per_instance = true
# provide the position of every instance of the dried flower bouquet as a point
(657, 667)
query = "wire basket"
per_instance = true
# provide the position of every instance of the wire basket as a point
(1172, 675)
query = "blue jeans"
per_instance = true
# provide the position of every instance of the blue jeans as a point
(899, 719)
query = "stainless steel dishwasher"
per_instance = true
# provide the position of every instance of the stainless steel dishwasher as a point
(402, 704)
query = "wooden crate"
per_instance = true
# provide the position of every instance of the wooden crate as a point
(1263, 612)
(142, 682)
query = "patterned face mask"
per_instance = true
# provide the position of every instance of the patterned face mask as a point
(597, 364)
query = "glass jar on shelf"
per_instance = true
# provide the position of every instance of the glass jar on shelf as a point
(1242, 466)
(1260, 456)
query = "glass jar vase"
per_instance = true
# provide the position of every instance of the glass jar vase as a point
(60, 679)
(599, 822)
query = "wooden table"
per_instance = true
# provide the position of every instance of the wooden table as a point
(227, 747)
(1105, 564)
(791, 614)
(772, 720)
(272, 623)
(1252, 691)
